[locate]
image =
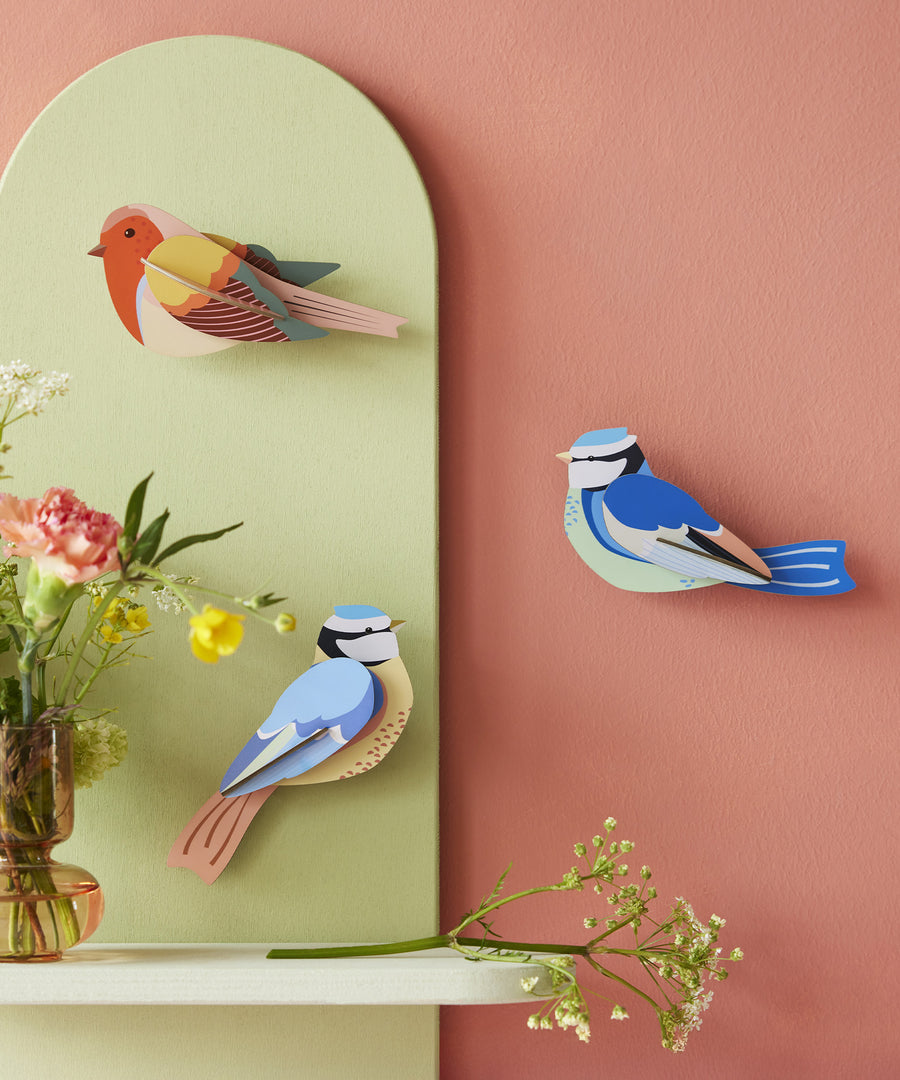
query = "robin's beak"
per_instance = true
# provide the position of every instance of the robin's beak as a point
(397, 623)
(566, 457)
(98, 250)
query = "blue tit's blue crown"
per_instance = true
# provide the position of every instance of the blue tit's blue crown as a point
(358, 611)
(602, 437)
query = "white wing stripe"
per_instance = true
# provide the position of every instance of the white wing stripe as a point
(798, 551)
(807, 584)
(805, 566)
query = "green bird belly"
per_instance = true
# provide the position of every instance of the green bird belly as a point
(624, 573)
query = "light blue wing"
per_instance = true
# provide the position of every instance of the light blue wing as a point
(313, 718)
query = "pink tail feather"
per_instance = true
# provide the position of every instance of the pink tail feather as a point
(211, 837)
(332, 314)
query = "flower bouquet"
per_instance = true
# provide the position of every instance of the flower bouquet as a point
(75, 615)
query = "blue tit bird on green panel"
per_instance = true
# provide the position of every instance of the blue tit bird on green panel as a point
(643, 534)
(338, 719)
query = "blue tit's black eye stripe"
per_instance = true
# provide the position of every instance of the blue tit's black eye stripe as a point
(329, 639)
(632, 456)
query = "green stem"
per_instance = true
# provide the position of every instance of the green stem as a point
(481, 912)
(420, 944)
(91, 625)
(27, 703)
(524, 946)
(158, 575)
(618, 978)
(26, 667)
(610, 930)
(415, 945)
(79, 696)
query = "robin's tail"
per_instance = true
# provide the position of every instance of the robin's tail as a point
(211, 837)
(331, 314)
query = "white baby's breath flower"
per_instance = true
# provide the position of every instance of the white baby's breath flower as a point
(28, 389)
(166, 600)
(618, 1013)
(99, 745)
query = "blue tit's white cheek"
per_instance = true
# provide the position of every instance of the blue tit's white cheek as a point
(594, 474)
(371, 648)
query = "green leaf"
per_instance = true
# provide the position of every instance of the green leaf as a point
(150, 538)
(198, 538)
(498, 888)
(135, 509)
(265, 600)
(11, 698)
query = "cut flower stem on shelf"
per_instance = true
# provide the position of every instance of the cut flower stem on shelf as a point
(677, 956)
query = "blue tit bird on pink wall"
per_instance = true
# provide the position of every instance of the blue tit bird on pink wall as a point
(646, 535)
(338, 719)
(182, 292)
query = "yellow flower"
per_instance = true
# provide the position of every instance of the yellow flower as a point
(215, 633)
(109, 635)
(136, 619)
(112, 611)
(285, 623)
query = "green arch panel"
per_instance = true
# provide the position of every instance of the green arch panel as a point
(326, 449)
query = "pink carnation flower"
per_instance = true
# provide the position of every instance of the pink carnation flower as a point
(63, 535)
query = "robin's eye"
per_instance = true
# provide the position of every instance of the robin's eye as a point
(129, 233)
(368, 629)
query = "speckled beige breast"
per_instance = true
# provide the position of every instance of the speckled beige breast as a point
(378, 736)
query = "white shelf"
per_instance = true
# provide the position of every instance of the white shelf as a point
(241, 975)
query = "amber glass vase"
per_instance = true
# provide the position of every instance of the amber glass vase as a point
(45, 906)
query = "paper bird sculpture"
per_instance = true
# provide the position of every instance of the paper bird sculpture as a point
(643, 534)
(185, 293)
(338, 719)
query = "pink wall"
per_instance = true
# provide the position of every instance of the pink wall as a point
(680, 217)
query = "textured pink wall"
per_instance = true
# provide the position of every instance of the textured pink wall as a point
(680, 217)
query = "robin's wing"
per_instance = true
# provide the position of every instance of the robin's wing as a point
(209, 288)
(299, 273)
(318, 714)
(662, 524)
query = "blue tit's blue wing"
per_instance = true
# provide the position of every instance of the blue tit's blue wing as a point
(645, 502)
(318, 713)
(665, 526)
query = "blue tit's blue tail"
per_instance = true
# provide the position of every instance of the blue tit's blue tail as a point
(812, 568)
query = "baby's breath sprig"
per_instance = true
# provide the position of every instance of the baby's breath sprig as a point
(25, 391)
(677, 956)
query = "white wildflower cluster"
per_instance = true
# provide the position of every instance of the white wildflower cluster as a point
(679, 953)
(692, 959)
(566, 1004)
(167, 599)
(98, 745)
(28, 390)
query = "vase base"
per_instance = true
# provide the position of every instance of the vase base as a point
(43, 958)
